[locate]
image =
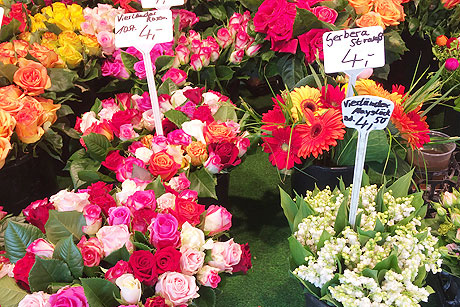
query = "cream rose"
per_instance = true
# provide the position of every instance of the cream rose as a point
(191, 237)
(69, 201)
(130, 288)
(113, 238)
(177, 288)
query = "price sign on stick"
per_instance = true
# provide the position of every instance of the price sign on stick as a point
(150, 4)
(363, 113)
(144, 30)
(352, 51)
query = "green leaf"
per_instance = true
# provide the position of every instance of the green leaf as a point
(97, 146)
(325, 236)
(97, 107)
(100, 292)
(226, 112)
(7, 31)
(67, 251)
(142, 246)
(18, 236)
(64, 110)
(128, 61)
(400, 187)
(389, 263)
(207, 297)
(394, 42)
(291, 68)
(224, 73)
(298, 252)
(167, 87)
(289, 208)
(140, 237)
(60, 225)
(304, 210)
(203, 182)
(371, 274)
(94, 176)
(119, 254)
(177, 117)
(342, 217)
(379, 227)
(333, 282)
(252, 5)
(218, 12)
(11, 294)
(61, 79)
(164, 62)
(47, 271)
(53, 28)
(8, 70)
(305, 21)
(78, 165)
(157, 186)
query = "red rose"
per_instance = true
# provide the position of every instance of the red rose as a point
(162, 164)
(130, 116)
(187, 211)
(227, 152)
(122, 267)
(142, 218)
(194, 94)
(311, 43)
(167, 260)
(156, 301)
(22, 269)
(37, 213)
(99, 195)
(204, 114)
(144, 267)
(245, 262)
(168, 126)
(113, 160)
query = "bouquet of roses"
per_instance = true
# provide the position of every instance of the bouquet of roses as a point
(382, 262)
(138, 244)
(202, 139)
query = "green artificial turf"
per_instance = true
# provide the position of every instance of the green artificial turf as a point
(259, 220)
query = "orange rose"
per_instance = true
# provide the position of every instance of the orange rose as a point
(25, 36)
(29, 120)
(5, 147)
(163, 165)
(50, 109)
(7, 124)
(46, 56)
(147, 140)
(448, 4)
(7, 55)
(392, 13)
(101, 128)
(441, 40)
(9, 99)
(197, 152)
(361, 6)
(216, 132)
(370, 19)
(21, 47)
(32, 77)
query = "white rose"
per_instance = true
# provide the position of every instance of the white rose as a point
(87, 120)
(130, 288)
(178, 98)
(128, 188)
(212, 101)
(166, 201)
(69, 201)
(36, 299)
(195, 128)
(148, 121)
(191, 237)
(144, 154)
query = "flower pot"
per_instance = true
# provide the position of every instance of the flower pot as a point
(432, 157)
(321, 176)
(312, 301)
(223, 184)
(447, 290)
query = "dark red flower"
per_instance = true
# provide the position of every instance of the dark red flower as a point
(167, 260)
(113, 160)
(122, 267)
(22, 269)
(37, 213)
(227, 152)
(194, 94)
(99, 195)
(142, 219)
(245, 262)
(156, 301)
(144, 267)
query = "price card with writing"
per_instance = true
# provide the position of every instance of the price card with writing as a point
(150, 4)
(2, 11)
(353, 49)
(363, 113)
(144, 30)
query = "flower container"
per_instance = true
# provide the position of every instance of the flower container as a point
(222, 187)
(321, 176)
(312, 301)
(432, 157)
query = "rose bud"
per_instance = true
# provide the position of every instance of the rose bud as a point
(217, 219)
(130, 288)
(196, 62)
(253, 50)
(224, 38)
(441, 40)
(183, 54)
(236, 56)
(241, 40)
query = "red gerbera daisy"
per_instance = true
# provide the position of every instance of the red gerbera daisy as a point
(282, 146)
(412, 126)
(320, 132)
(331, 97)
(273, 119)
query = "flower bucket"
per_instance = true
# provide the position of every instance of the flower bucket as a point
(312, 301)
(432, 157)
(322, 176)
(223, 184)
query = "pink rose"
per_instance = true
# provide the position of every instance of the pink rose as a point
(127, 132)
(208, 277)
(177, 288)
(141, 200)
(69, 201)
(217, 219)
(213, 164)
(135, 52)
(179, 183)
(195, 62)
(143, 102)
(224, 38)
(191, 261)
(241, 40)
(325, 13)
(254, 49)
(122, 267)
(159, 143)
(192, 35)
(311, 43)
(164, 231)
(41, 248)
(178, 76)
(69, 297)
(242, 144)
(36, 299)
(92, 214)
(182, 40)
(126, 169)
(119, 216)
(91, 251)
(113, 238)
(236, 56)
(205, 55)
(139, 70)
(195, 46)
(166, 202)
(179, 137)
(107, 42)
(225, 255)
(182, 54)
(189, 194)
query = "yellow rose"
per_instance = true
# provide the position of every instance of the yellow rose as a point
(61, 17)
(71, 56)
(50, 40)
(5, 147)
(90, 44)
(25, 36)
(37, 22)
(76, 15)
(7, 124)
(47, 11)
(70, 38)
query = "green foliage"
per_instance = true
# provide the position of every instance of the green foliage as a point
(128, 61)
(119, 254)
(157, 186)
(203, 182)
(298, 252)
(10, 292)
(79, 165)
(164, 62)
(68, 252)
(167, 87)
(61, 225)
(177, 117)
(18, 236)
(207, 298)
(292, 69)
(47, 271)
(289, 207)
(226, 112)
(100, 292)
(97, 146)
(8, 70)
(61, 79)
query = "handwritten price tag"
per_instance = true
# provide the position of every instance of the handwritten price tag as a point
(2, 11)
(353, 49)
(143, 30)
(149, 4)
(363, 113)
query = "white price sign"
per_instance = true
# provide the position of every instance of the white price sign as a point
(353, 49)
(363, 113)
(2, 11)
(150, 4)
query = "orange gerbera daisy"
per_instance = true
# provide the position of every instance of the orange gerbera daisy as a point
(370, 87)
(412, 126)
(320, 132)
(305, 98)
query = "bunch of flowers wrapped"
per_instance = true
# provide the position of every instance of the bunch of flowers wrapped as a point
(202, 138)
(152, 245)
(382, 262)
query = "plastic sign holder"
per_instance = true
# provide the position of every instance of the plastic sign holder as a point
(363, 113)
(161, 4)
(352, 51)
(143, 30)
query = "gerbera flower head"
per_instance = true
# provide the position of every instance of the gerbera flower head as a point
(320, 132)
(273, 118)
(370, 87)
(331, 97)
(305, 98)
(282, 146)
(412, 126)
